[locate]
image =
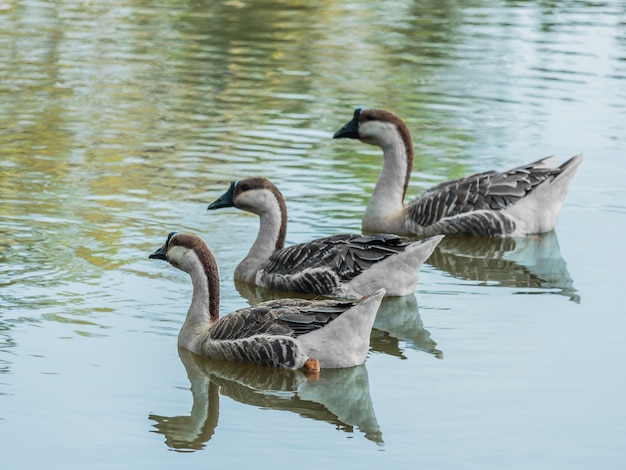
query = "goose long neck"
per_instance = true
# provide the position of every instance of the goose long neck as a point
(271, 238)
(204, 309)
(387, 199)
(273, 226)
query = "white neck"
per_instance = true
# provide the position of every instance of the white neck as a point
(198, 319)
(264, 245)
(386, 204)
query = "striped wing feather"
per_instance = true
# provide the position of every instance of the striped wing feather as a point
(341, 256)
(488, 191)
(285, 317)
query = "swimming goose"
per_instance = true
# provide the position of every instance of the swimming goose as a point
(518, 202)
(346, 265)
(287, 333)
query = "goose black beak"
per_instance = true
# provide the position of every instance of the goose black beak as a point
(351, 129)
(225, 200)
(162, 252)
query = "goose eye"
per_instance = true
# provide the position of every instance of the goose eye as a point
(245, 187)
(175, 241)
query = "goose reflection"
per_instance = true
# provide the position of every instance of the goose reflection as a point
(398, 320)
(532, 262)
(340, 396)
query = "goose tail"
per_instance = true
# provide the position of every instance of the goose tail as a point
(344, 342)
(570, 165)
(422, 249)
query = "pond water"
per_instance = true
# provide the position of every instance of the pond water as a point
(120, 121)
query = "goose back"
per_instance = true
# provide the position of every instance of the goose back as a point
(334, 264)
(487, 191)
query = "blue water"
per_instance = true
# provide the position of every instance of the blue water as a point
(122, 121)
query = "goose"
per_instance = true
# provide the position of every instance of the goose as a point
(344, 265)
(287, 333)
(522, 201)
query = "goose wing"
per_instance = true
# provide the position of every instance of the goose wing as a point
(341, 256)
(285, 317)
(487, 191)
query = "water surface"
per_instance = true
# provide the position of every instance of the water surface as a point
(121, 121)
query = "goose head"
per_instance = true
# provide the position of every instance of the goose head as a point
(181, 250)
(375, 127)
(256, 195)
(261, 197)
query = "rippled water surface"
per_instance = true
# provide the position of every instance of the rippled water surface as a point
(120, 121)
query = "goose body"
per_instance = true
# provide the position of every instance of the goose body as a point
(518, 202)
(345, 265)
(287, 333)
